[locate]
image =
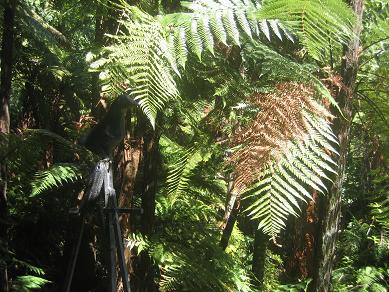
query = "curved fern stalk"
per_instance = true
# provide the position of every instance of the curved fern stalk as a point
(61, 141)
(139, 62)
(226, 21)
(38, 27)
(54, 177)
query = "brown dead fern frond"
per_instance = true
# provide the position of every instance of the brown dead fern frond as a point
(281, 119)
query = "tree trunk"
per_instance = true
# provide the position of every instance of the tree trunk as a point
(139, 166)
(151, 155)
(227, 231)
(5, 92)
(259, 254)
(230, 214)
(299, 241)
(330, 210)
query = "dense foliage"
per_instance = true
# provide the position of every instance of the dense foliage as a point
(230, 153)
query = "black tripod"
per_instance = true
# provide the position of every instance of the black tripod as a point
(101, 186)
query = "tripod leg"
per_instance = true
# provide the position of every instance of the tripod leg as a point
(112, 255)
(74, 256)
(120, 249)
(115, 233)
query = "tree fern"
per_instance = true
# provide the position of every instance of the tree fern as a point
(380, 210)
(179, 174)
(317, 23)
(146, 49)
(182, 247)
(54, 177)
(139, 63)
(226, 22)
(282, 154)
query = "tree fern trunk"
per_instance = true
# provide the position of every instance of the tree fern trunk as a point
(5, 92)
(227, 231)
(259, 254)
(331, 207)
(129, 167)
(298, 241)
(150, 172)
(230, 215)
(143, 269)
(151, 163)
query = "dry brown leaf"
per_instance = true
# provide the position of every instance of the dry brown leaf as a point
(280, 120)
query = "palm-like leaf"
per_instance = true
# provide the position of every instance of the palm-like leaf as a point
(54, 177)
(283, 153)
(317, 23)
(380, 211)
(180, 172)
(138, 63)
(226, 22)
(146, 49)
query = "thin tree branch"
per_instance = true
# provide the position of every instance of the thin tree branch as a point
(374, 43)
(375, 107)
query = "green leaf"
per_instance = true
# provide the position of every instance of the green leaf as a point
(54, 177)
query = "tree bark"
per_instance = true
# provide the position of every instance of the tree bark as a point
(227, 231)
(330, 210)
(298, 241)
(230, 216)
(259, 254)
(5, 92)
(151, 163)
(140, 176)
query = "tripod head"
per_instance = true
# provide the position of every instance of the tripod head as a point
(110, 131)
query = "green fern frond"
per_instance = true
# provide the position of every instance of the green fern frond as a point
(284, 184)
(27, 283)
(206, 34)
(182, 270)
(224, 21)
(380, 211)
(137, 241)
(231, 21)
(29, 267)
(147, 48)
(194, 40)
(303, 162)
(181, 254)
(372, 278)
(54, 177)
(59, 140)
(317, 23)
(139, 63)
(178, 178)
